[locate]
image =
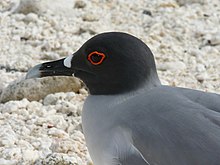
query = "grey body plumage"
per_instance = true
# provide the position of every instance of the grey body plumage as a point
(129, 118)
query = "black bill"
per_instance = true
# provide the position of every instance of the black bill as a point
(54, 68)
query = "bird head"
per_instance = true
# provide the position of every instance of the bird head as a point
(108, 63)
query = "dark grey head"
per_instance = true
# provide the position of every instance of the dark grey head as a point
(109, 63)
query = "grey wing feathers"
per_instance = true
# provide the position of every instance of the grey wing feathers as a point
(208, 100)
(133, 158)
(124, 150)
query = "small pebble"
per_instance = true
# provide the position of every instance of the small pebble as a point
(79, 4)
(200, 68)
(31, 17)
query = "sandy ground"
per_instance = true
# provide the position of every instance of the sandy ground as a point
(42, 125)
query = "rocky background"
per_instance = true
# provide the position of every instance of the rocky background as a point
(40, 119)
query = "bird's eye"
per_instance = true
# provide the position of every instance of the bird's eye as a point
(96, 58)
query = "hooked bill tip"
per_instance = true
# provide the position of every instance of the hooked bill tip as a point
(34, 72)
(67, 61)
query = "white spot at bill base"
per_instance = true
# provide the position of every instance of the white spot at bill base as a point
(67, 61)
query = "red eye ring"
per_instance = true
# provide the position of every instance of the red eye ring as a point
(102, 55)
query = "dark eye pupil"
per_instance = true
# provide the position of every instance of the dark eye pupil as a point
(96, 58)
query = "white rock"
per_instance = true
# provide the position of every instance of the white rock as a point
(24, 144)
(30, 155)
(50, 100)
(12, 153)
(202, 77)
(59, 158)
(184, 2)
(71, 95)
(46, 143)
(215, 39)
(200, 68)
(7, 136)
(50, 56)
(79, 4)
(10, 107)
(196, 52)
(30, 6)
(66, 107)
(27, 88)
(83, 91)
(173, 66)
(90, 17)
(63, 145)
(31, 17)
(58, 121)
(164, 82)
(7, 162)
(57, 133)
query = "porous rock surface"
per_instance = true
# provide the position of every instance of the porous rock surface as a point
(39, 125)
